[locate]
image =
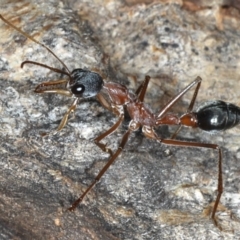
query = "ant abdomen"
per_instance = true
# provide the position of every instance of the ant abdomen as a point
(217, 116)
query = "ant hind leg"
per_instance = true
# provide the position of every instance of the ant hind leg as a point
(149, 132)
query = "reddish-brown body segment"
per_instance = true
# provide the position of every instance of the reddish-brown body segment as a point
(189, 120)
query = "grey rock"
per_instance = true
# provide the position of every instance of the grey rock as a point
(152, 191)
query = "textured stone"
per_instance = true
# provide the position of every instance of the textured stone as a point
(152, 191)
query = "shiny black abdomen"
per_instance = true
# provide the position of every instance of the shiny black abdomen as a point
(218, 116)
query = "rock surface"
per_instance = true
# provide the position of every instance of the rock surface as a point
(152, 191)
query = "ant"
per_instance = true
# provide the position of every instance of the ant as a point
(212, 116)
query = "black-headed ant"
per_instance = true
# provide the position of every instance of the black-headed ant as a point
(212, 116)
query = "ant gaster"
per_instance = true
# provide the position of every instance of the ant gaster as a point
(212, 116)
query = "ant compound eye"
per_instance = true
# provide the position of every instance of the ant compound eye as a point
(78, 89)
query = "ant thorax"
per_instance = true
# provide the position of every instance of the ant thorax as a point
(141, 113)
(118, 93)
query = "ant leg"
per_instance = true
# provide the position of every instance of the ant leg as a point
(171, 119)
(176, 98)
(220, 179)
(190, 107)
(64, 120)
(107, 133)
(143, 88)
(53, 87)
(105, 103)
(119, 112)
(71, 109)
(104, 169)
(149, 132)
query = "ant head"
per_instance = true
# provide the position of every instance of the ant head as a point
(85, 83)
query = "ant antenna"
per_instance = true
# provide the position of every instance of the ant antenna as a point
(34, 40)
(46, 66)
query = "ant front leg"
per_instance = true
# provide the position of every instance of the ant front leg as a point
(149, 132)
(65, 118)
(57, 87)
(118, 110)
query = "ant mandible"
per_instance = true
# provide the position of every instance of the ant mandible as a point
(212, 116)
